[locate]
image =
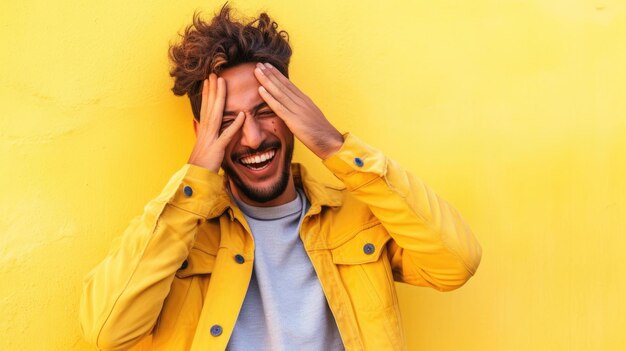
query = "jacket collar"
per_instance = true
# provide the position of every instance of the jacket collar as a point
(318, 194)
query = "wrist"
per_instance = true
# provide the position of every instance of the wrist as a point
(208, 166)
(331, 145)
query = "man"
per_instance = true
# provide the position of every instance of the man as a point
(265, 257)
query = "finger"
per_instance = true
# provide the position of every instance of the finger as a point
(208, 95)
(203, 103)
(217, 109)
(211, 99)
(212, 88)
(266, 70)
(274, 104)
(231, 130)
(284, 80)
(274, 87)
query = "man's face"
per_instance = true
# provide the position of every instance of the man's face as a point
(257, 160)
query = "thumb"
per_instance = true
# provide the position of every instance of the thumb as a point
(228, 133)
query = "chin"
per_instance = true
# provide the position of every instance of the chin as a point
(261, 176)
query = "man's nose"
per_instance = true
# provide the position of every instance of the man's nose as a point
(251, 133)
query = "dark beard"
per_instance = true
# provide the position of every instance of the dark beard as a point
(262, 195)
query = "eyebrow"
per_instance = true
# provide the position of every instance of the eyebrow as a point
(255, 109)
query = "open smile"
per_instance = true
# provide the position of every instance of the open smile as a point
(258, 161)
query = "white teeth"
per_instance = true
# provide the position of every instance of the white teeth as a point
(258, 158)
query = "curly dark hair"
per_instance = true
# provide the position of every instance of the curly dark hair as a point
(211, 47)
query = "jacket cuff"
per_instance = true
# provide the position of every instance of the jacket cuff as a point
(356, 163)
(195, 189)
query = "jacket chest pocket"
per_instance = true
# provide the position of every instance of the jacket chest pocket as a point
(364, 268)
(183, 304)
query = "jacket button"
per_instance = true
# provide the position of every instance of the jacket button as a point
(358, 161)
(216, 330)
(369, 248)
(239, 259)
(184, 265)
(187, 190)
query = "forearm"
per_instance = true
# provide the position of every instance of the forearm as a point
(432, 245)
(123, 296)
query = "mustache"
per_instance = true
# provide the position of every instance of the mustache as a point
(246, 151)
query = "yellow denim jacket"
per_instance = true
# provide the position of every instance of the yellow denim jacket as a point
(176, 280)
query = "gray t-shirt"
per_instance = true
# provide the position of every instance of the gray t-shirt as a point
(285, 307)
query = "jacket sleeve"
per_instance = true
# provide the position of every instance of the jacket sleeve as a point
(431, 243)
(123, 296)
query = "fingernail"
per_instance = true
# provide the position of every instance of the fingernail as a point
(268, 65)
(260, 65)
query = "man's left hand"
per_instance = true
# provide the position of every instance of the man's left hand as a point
(298, 111)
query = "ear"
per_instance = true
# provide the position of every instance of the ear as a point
(195, 126)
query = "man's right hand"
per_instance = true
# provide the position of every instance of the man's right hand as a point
(210, 143)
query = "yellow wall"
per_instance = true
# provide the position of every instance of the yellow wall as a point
(515, 111)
